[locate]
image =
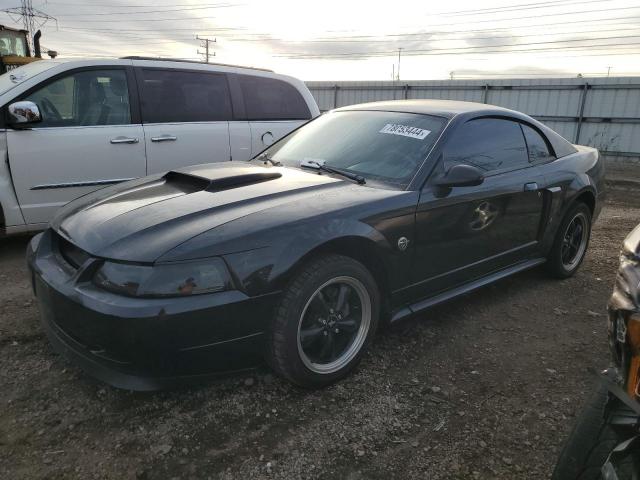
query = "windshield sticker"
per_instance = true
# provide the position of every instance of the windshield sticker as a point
(405, 131)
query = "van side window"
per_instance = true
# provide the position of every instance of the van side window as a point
(271, 99)
(181, 96)
(536, 146)
(491, 144)
(88, 98)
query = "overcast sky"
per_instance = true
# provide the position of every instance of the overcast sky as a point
(359, 40)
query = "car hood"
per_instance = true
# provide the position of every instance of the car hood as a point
(141, 220)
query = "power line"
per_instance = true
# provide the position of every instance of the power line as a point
(599, 21)
(432, 25)
(148, 5)
(534, 6)
(436, 36)
(225, 32)
(457, 49)
(145, 12)
(449, 52)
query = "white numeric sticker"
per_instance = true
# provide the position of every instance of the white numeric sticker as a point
(405, 131)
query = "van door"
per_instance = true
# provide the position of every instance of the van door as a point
(89, 137)
(273, 107)
(186, 116)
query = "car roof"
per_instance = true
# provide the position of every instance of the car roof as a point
(443, 108)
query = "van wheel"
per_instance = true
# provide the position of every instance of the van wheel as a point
(327, 316)
(570, 245)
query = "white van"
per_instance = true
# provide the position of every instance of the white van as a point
(72, 126)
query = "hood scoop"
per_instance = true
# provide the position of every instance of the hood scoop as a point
(194, 183)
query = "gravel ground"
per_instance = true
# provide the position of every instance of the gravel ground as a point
(486, 386)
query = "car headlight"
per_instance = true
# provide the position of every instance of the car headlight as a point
(164, 280)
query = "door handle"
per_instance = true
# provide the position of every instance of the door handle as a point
(124, 140)
(164, 138)
(530, 187)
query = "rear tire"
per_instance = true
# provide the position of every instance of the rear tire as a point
(591, 440)
(571, 242)
(327, 316)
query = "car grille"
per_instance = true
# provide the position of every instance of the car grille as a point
(73, 255)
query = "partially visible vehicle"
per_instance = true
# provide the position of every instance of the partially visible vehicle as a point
(605, 442)
(368, 213)
(14, 48)
(73, 126)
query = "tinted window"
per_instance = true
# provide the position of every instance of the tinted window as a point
(537, 147)
(178, 96)
(385, 146)
(271, 99)
(94, 97)
(490, 144)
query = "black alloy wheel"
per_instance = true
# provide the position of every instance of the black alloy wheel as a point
(327, 316)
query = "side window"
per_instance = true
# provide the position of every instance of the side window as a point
(180, 96)
(491, 144)
(272, 99)
(89, 98)
(536, 145)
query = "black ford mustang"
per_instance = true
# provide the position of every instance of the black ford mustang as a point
(369, 213)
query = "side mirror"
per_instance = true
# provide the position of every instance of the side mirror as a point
(461, 175)
(23, 114)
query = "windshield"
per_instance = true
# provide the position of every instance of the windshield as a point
(13, 43)
(16, 76)
(384, 146)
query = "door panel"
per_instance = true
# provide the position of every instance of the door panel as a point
(174, 145)
(264, 133)
(84, 142)
(463, 233)
(186, 117)
(240, 140)
(475, 230)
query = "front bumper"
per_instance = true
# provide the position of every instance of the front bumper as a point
(141, 343)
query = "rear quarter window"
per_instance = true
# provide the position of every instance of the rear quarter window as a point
(537, 146)
(272, 99)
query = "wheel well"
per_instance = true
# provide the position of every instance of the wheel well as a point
(361, 250)
(589, 199)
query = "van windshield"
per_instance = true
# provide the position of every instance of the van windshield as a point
(16, 76)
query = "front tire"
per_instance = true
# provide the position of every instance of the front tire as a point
(327, 316)
(571, 242)
(592, 439)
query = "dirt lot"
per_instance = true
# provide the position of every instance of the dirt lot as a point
(484, 387)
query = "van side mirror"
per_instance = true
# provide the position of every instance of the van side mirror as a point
(23, 114)
(461, 175)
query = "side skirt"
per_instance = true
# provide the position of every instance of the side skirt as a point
(465, 288)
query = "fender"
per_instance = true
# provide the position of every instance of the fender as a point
(266, 269)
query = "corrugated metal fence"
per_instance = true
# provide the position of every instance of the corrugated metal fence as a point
(601, 112)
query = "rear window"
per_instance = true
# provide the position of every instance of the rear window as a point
(180, 96)
(272, 99)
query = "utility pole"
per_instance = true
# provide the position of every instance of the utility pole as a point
(205, 43)
(32, 18)
(399, 53)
